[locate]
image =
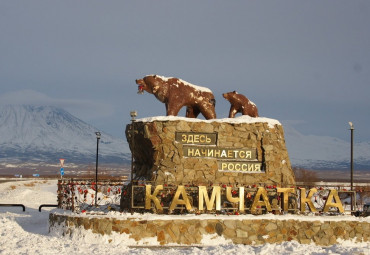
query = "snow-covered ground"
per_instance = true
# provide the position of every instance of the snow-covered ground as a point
(27, 232)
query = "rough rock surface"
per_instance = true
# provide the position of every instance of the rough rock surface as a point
(238, 231)
(159, 156)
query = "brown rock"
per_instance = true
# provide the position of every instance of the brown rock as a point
(305, 241)
(270, 226)
(183, 228)
(173, 236)
(161, 237)
(210, 229)
(229, 233)
(241, 233)
(339, 231)
(309, 233)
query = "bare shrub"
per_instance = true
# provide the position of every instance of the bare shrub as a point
(31, 184)
(363, 194)
(304, 175)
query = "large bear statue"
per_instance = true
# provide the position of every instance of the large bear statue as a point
(176, 93)
(239, 103)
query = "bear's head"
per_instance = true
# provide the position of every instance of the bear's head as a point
(149, 83)
(229, 95)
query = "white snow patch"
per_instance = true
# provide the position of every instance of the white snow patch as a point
(214, 238)
(204, 89)
(237, 120)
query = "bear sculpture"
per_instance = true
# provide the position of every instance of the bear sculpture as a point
(239, 103)
(176, 93)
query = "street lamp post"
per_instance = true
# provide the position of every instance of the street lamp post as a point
(96, 172)
(133, 115)
(351, 128)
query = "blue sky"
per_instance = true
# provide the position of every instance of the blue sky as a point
(306, 63)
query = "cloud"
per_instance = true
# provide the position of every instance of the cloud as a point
(86, 109)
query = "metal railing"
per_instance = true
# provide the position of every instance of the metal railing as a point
(14, 205)
(46, 205)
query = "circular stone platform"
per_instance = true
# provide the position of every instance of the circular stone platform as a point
(202, 229)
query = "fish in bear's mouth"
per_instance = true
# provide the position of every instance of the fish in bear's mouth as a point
(140, 89)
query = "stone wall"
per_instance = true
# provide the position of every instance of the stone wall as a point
(238, 231)
(159, 157)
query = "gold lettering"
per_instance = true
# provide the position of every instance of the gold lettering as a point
(190, 152)
(230, 167)
(241, 154)
(329, 202)
(223, 154)
(183, 138)
(240, 199)
(257, 167)
(190, 139)
(248, 154)
(217, 153)
(285, 192)
(203, 196)
(256, 202)
(204, 152)
(208, 139)
(224, 166)
(229, 153)
(237, 167)
(153, 197)
(202, 138)
(196, 138)
(250, 168)
(307, 199)
(244, 167)
(177, 201)
(210, 153)
(197, 153)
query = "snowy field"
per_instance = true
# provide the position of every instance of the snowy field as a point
(27, 232)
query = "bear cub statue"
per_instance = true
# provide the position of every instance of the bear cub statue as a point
(176, 93)
(239, 103)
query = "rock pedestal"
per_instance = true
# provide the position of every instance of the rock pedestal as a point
(235, 229)
(181, 151)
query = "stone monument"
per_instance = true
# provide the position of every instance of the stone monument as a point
(183, 151)
(206, 154)
(230, 166)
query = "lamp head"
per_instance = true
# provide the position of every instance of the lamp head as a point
(97, 135)
(351, 125)
(133, 114)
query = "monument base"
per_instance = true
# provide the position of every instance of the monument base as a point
(195, 230)
(185, 151)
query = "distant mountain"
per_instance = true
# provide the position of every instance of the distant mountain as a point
(46, 133)
(324, 152)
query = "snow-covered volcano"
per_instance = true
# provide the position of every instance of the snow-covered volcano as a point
(324, 152)
(47, 133)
